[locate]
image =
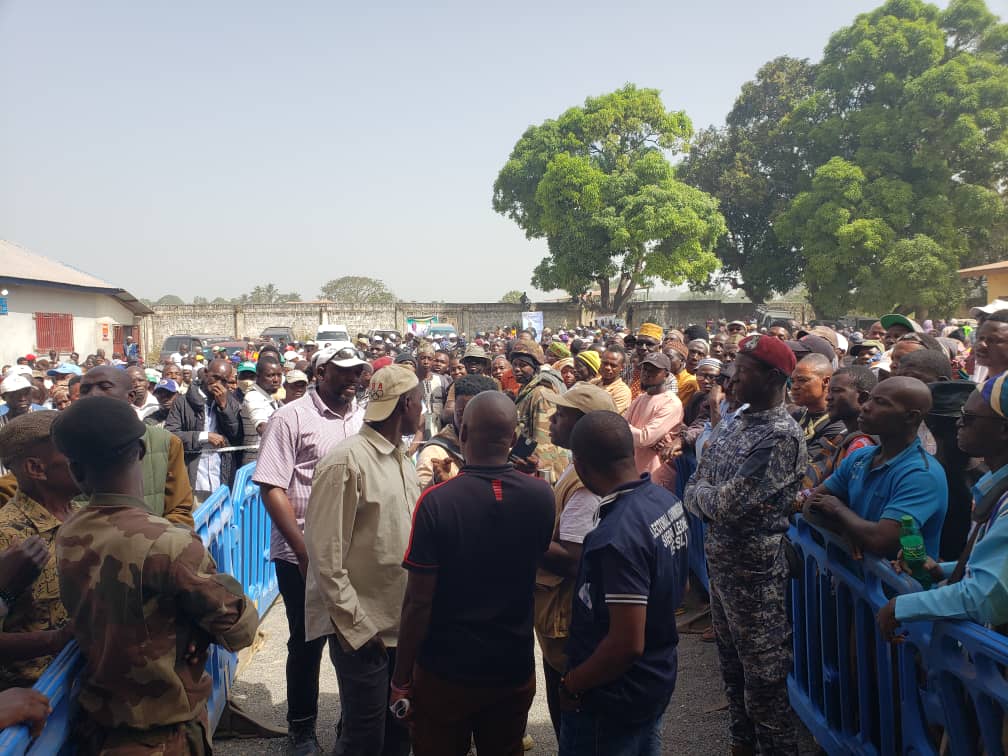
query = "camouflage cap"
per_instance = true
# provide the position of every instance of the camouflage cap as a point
(528, 349)
(96, 428)
(475, 352)
(21, 434)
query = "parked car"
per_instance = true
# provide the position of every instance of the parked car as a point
(230, 346)
(440, 331)
(194, 342)
(278, 335)
(331, 333)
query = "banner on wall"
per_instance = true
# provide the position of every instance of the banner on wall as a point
(419, 326)
(533, 320)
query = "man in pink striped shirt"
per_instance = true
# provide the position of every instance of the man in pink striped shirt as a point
(652, 416)
(297, 436)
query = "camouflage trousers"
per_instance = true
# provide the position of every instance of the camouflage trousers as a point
(184, 739)
(753, 633)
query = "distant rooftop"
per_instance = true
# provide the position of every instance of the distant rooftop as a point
(983, 270)
(18, 264)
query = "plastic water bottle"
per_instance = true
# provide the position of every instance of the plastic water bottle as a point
(914, 553)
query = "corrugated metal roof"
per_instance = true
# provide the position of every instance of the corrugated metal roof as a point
(980, 270)
(18, 263)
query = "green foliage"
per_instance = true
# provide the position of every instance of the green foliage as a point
(906, 135)
(751, 167)
(200, 300)
(512, 297)
(169, 299)
(597, 185)
(357, 290)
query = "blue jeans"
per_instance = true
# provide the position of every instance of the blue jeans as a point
(584, 733)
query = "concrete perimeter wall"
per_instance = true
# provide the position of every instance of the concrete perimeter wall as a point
(303, 318)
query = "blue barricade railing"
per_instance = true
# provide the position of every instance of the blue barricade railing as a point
(235, 529)
(942, 690)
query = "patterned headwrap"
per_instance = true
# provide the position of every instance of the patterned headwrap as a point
(995, 393)
(677, 346)
(558, 349)
(651, 331)
(561, 364)
(710, 362)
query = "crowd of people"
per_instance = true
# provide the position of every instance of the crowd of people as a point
(439, 507)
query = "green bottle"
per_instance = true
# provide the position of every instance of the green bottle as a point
(914, 553)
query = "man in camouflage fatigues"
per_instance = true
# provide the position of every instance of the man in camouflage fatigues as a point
(35, 628)
(743, 489)
(144, 596)
(534, 405)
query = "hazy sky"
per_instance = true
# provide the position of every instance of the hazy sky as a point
(201, 148)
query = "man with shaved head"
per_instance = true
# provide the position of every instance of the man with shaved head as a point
(167, 490)
(873, 488)
(208, 418)
(465, 637)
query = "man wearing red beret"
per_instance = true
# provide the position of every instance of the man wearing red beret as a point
(743, 489)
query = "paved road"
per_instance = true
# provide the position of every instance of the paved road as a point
(693, 723)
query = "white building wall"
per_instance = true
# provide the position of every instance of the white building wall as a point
(17, 329)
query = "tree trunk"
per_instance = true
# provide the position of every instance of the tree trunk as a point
(604, 299)
(623, 296)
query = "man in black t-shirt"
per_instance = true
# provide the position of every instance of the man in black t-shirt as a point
(465, 639)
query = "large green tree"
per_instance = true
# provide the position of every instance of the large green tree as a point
(597, 184)
(906, 138)
(751, 167)
(357, 290)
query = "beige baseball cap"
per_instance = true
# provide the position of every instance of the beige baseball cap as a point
(584, 397)
(387, 385)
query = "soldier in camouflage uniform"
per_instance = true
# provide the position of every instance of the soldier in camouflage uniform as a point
(743, 489)
(535, 408)
(35, 628)
(144, 596)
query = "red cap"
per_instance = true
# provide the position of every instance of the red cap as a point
(761, 347)
(381, 362)
(30, 357)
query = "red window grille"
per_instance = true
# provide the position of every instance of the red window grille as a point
(54, 330)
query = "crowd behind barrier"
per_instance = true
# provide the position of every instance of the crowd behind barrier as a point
(942, 690)
(235, 528)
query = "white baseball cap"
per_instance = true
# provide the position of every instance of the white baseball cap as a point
(13, 383)
(341, 354)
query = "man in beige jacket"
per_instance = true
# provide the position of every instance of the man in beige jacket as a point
(356, 530)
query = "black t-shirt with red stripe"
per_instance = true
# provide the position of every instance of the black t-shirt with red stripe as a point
(482, 533)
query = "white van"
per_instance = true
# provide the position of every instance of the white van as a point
(330, 333)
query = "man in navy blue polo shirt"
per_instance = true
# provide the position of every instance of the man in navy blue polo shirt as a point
(623, 637)
(874, 487)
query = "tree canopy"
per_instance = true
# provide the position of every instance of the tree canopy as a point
(915, 99)
(512, 297)
(751, 167)
(597, 184)
(357, 290)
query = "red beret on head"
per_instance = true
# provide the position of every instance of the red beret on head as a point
(381, 362)
(760, 347)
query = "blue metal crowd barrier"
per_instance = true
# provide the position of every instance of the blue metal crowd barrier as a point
(255, 570)
(235, 529)
(942, 690)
